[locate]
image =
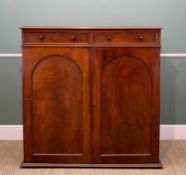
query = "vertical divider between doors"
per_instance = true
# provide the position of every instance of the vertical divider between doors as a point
(91, 96)
(95, 108)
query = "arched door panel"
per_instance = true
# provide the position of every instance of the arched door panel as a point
(123, 111)
(59, 115)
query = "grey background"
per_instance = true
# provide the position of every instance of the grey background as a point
(169, 14)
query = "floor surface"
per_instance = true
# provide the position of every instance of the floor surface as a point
(172, 156)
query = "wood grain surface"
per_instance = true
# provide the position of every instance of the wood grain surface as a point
(91, 96)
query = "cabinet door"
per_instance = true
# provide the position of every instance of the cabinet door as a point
(126, 105)
(56, 105)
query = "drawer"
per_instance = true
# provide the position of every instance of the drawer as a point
(128, 37)
(55, 37)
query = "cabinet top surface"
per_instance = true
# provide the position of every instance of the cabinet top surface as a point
(92, 27)
(91, 36)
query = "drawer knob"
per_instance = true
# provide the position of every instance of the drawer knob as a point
(140, 37)
(41, 37)
(109, 38)
(73, 38)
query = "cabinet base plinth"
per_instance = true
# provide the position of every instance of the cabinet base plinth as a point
(61, 165)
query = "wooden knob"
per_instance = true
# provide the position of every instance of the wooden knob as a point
(41, 37)
(140, 37)
(109, 38)
(73, 38)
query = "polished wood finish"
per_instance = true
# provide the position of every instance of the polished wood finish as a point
(126, 36)
(61, 165)
(55, 37)
(126, 94)
(91, 97)
(56, 104)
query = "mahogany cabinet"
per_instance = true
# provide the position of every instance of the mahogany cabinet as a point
(91, 97)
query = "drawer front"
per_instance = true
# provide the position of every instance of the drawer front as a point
(127, 37)
(55, 37)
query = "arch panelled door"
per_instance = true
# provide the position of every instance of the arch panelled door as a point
(91, 97)
(125, 94)
(58, 82)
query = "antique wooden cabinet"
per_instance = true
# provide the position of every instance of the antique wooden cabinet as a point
(91, 97)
